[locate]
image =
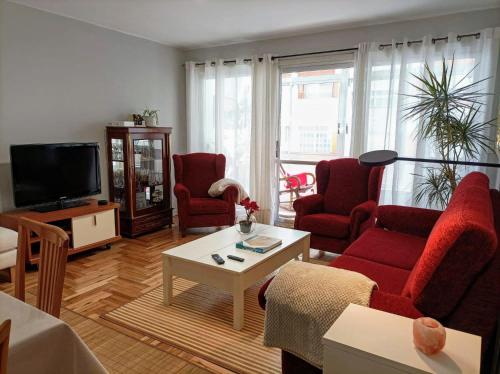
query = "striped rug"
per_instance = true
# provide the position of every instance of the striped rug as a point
(199, 321)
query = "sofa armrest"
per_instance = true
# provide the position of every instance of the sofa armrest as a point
(408, 220)
(308, 204)
(262, 293)
(395, 304)
(379, 300)
(230, 194)
(362, 217)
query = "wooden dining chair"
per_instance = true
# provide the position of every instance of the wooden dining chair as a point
(4, 345)
(54, 243)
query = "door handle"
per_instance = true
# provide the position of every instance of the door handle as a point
(95, 220)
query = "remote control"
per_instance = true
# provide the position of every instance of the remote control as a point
(218, 259)
(235, 258)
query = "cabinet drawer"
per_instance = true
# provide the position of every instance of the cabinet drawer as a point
(93, 228)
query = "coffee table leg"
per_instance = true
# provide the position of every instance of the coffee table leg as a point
(167, 281)
(306, 243)
(238, 306)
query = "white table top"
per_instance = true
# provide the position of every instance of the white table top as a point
(40, 343)
(390, 337)
(224, 243)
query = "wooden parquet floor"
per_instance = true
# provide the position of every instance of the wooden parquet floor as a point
(101, 280)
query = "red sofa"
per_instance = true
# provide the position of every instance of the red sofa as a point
(344, 205)
(194, 174)
(445, 265)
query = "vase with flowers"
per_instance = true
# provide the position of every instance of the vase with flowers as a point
(250, 208)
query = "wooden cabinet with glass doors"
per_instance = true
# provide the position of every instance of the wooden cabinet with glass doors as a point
(139, 177)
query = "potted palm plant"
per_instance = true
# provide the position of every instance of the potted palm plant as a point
(448, 115)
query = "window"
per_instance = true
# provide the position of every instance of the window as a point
(316, 110)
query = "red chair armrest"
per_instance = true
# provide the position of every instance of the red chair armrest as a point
(181, 191)
(308, 205)
(394, 304)
(231, 194)
(362, 217)
(408, 220)
(183, 196)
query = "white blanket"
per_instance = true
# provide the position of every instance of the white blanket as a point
(304, 300)
(218, 188)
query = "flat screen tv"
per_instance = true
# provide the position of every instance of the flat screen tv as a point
(48, 173)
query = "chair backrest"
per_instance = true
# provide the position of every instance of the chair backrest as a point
(460, 245)
(197, 171)
(4, 345)
(54, 243)
(345, 183)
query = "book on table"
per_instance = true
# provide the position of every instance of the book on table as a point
(259, 243)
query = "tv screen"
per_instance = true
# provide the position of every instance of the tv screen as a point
(44, 173)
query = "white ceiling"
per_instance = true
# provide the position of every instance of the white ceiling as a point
(202, 23)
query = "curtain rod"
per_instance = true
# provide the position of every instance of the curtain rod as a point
(381, 46)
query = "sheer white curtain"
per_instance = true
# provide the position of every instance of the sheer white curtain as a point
(382, 81)
(219, 113)
(263, 164)
(232, 109)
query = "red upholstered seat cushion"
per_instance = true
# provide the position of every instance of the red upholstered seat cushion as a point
(332, 225)
(389, 279)
(461, 243)
(388, 247)
(201, 205)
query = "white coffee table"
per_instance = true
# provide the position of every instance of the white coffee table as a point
(193, 261)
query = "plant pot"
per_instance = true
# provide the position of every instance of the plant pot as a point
(245, 226)
(150, 121)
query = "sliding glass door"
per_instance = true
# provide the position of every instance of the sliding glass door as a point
(315, 124)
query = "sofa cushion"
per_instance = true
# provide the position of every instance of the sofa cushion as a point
(8, 259)
(389, 279)
(332, 225)
(8, 240)
(459, 246)
(202, 205)
(388, 248)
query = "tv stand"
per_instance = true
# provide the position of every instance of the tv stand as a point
(88, 226)
(61, 204)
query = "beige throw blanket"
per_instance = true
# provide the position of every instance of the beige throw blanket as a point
(217, 188)
(304, 300)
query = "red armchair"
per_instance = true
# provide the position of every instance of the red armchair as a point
(445, 265)
(194, 174)
(344, 205)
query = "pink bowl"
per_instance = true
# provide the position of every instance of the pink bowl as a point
(429, 336)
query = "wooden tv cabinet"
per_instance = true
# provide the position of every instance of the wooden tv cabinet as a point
(89, 226)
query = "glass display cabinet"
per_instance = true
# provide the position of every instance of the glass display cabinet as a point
(139, 177)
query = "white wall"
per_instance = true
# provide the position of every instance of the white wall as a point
(337, 39)
(63, 80)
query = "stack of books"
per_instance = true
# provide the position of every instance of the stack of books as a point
(259, 243)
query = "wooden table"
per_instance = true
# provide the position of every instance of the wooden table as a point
(193, 261)
(364, 340)
(40, 343)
